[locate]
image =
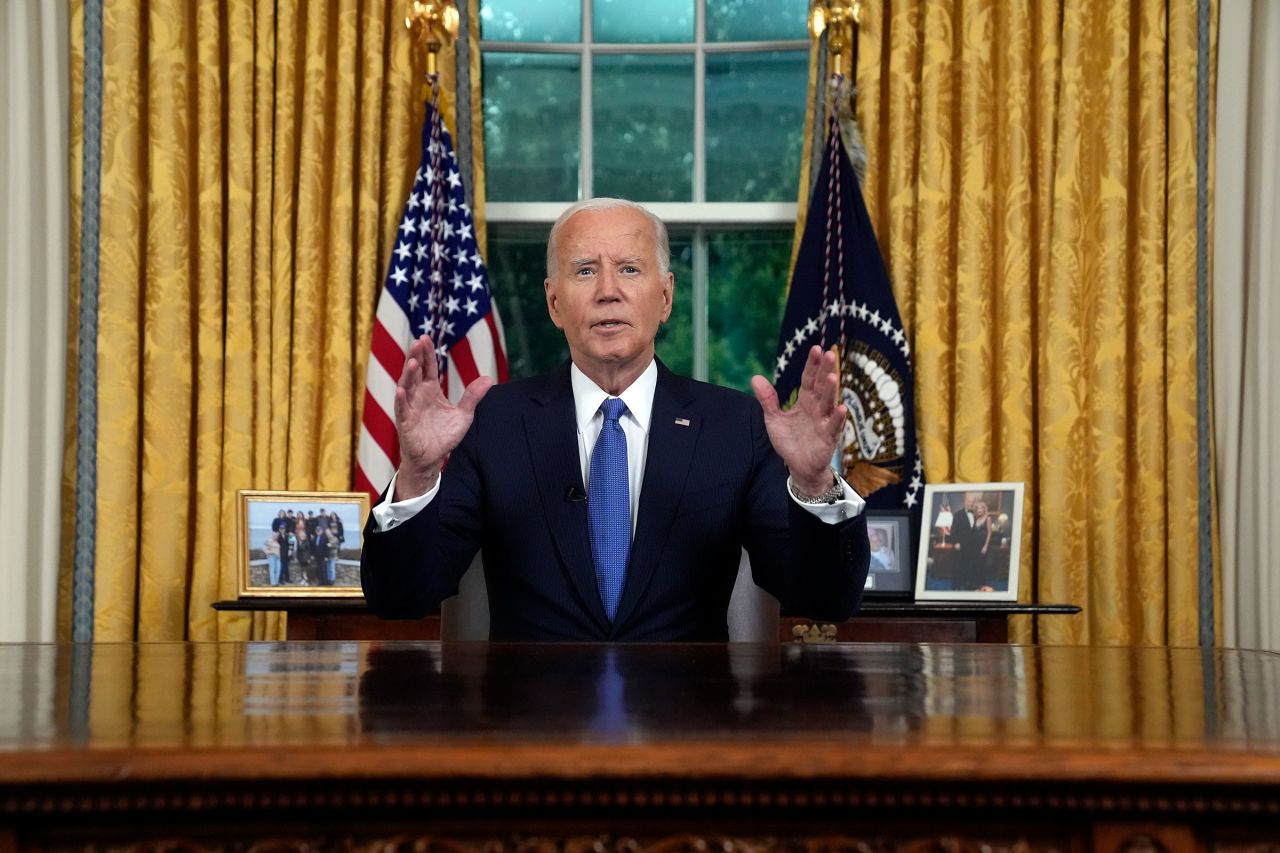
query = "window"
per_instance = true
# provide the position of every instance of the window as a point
(695, 108)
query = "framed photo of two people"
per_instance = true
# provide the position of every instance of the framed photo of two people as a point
(971, 537)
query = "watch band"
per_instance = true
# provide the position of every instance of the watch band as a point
(830, 496)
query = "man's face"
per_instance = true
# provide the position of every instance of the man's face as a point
(608, 294)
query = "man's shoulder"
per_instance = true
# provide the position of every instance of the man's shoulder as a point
(706, 395)
(523, 393)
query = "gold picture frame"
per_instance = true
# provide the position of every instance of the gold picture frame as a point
(314, 558)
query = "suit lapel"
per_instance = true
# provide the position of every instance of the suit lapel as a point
(673, 434)
(552, 432)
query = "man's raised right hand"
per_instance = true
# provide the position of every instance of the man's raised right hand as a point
(428, 426)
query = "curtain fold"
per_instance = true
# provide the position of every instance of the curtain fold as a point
(1033, 179)
(256, 155)
(34, 98)
(1246, 267)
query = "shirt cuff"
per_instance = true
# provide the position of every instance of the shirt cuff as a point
(849, 506)
(389, 514)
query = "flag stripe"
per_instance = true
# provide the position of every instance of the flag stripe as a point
(375, 467)
(389, 354)
(381, 387)
(378, 467)
(391, 314)
(465, 366)
(365, 484)
(499, 353)
(381, 428)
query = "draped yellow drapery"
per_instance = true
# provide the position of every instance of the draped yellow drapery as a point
(256, 155)
(1032, 179)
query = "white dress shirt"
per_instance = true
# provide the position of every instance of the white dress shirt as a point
(587, 397)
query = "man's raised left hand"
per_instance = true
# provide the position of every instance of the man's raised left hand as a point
(807, 434)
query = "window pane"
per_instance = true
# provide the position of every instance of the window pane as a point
(649, 21)
(520, 20)
(755, 124)
(643, 127)
(746, 293)
(531, 106)
(675, 338)
(757, 20)
(517, 261)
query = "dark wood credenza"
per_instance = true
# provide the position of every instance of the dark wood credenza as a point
(289, 747)
(878, 621)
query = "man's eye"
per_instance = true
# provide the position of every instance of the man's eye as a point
(630, 270)
(586, 271)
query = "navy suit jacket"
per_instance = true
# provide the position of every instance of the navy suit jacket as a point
(513, 489)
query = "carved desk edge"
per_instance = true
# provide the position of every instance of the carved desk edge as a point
(812, 798)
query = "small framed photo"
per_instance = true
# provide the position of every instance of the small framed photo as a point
(892, 556)
(300, 544)
(971, 538)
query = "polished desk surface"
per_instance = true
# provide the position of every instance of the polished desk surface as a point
(94, 713)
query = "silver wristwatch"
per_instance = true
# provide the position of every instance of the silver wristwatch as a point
(830, 496)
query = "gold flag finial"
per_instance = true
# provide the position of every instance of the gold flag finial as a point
(836, 18)
(433, 24)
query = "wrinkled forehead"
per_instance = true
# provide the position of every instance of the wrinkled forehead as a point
(615, 234)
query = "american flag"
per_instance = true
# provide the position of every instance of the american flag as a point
(436, 283)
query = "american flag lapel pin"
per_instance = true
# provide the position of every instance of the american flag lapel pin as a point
(682, 421)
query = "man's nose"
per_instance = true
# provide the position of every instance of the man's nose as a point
(608, 286)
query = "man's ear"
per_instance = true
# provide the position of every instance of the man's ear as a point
(549, 289)
(668, 296)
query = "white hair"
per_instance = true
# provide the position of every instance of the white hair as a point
(663, 245)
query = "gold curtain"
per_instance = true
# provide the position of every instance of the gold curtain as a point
(256, 155)
(1032, 178)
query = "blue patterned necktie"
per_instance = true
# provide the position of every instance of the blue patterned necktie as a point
(609, 507)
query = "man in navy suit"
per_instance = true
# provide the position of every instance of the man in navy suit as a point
(706, 472)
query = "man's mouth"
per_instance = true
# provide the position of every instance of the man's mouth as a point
(610, 324)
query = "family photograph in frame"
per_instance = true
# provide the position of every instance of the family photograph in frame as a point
(889, 574)
(300, 544)
(971, 539)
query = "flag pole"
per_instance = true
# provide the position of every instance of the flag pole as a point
(436, 280)
(433, 24)
(841, 294)
(837, 19)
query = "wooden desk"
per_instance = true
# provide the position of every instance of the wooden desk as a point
(878, 621)
(574, 748)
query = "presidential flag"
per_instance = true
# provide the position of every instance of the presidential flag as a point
(840, 294)
(436, 283)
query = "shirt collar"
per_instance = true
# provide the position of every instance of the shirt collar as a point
(587, 396)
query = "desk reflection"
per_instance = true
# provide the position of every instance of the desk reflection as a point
(163, 695)
(613, 693)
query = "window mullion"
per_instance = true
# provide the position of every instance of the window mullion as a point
(586, 162)
(699, 103)
(701, 368)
